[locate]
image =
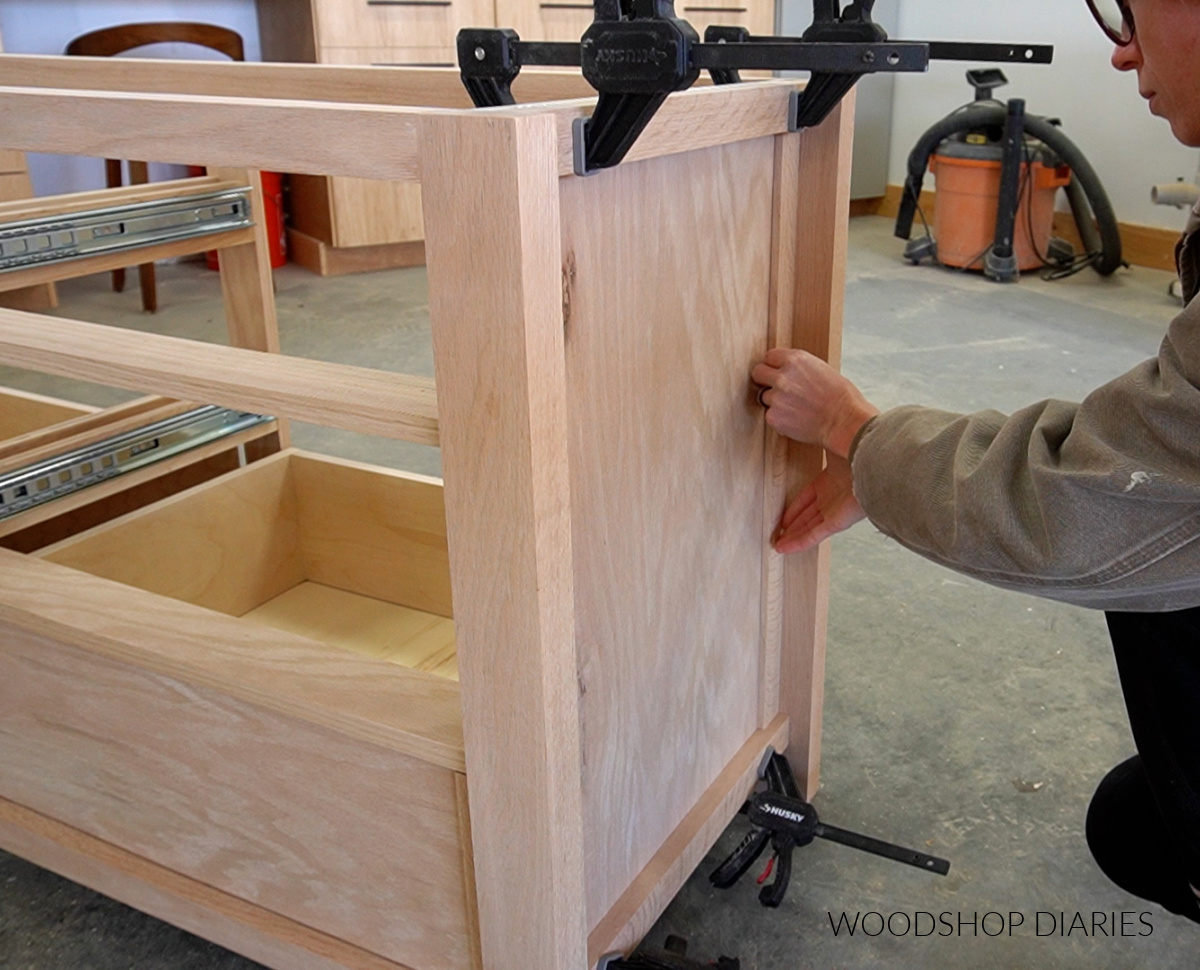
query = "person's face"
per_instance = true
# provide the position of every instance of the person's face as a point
(1165, 52)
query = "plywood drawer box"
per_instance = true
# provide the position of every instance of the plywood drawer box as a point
(259, 622)
(22, 412)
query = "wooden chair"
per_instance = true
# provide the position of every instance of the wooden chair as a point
(110, 41)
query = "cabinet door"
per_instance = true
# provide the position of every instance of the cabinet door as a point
(397, 23)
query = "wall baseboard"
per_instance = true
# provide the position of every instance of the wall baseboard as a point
(1147, 246)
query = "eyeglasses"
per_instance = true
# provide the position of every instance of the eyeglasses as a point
(1115, 19)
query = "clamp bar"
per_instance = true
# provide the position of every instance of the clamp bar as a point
(776, 54)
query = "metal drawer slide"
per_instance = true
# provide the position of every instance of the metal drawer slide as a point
(75, 235)
(63, 474)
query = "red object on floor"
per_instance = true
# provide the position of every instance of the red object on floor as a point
(272, 214)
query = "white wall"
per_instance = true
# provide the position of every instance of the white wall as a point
(47, 26)
(1099, 106)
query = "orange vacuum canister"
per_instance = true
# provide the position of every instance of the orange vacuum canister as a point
(968, 194)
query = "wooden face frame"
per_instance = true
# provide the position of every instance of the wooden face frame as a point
(602, 757)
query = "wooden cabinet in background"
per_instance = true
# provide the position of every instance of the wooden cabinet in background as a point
(343, 225)
(15, 184)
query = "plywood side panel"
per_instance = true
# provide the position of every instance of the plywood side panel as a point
(666, 267)
(374, 532)
(233, 923)
(323, 829)
(227, 547)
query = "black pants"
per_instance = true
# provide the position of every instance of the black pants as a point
(1143, 825)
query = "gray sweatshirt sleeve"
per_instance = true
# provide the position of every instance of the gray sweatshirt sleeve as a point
(1096, 504)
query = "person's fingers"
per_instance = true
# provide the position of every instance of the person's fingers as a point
(778, 356)
(764, 374)
(799, 540)
(805, 500)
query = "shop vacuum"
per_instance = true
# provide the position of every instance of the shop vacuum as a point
(998, 172)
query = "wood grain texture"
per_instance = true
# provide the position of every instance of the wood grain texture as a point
(23, 414)
(287, 815)
(369, 213)
(354, 23)
(87, 425)
(228, 546)
(274, 135)
(376, 702)
(632, 916)
(318, 256)
(310, 136)
(372, 531)
(333, 395)
(250, 930)
(247, 283)
(701, 117)
(429, 87)
(785, 231)
(372, 627)
(666, 458)
(470, 891)
(498, 350)
(820, 285)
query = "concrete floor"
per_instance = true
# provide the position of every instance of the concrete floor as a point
(965, 721)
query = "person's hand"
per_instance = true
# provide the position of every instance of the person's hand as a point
(809, 401)
(825, 506)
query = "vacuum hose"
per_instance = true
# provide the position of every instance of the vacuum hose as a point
(975, 116)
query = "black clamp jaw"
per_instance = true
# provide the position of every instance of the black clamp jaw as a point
(779, 816)
(637, 52)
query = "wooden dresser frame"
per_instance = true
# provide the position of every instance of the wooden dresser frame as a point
(629, 644)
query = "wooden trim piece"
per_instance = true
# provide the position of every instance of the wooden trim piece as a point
(499, 352)
(35, 299)
(820, 285)
(275, 135)
(332, 395)
(785, 230)
(470, 890)
(322, 258)
(1148, 246)
(220, 917)
(309, 137)
(648, 895)
(247, 286)
(871, 206)
(700, 117)
(419, 86)
(373, 700)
